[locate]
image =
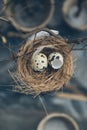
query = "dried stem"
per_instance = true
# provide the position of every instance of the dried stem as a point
(4, 19)
(78, 97)
(24, 36)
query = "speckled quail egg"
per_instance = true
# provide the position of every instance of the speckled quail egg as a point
(56, 60)
(39, 62)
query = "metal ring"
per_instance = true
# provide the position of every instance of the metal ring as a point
(59, 115)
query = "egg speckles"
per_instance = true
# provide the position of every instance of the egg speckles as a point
(55, 60)
(39, 62)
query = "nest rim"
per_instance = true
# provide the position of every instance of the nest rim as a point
(45, 81)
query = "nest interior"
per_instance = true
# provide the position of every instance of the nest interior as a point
(49, 79)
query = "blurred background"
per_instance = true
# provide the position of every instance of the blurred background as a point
(24, 112)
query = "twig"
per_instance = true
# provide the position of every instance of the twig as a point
(79, 49)
(4, 19)
(78, 40)
(44, 107)
(78, 97)
(74, 89)
(24, 36)
(12, 76)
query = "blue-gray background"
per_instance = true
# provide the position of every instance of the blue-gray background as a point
(22, 112)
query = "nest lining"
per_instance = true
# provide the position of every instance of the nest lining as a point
(48, 80)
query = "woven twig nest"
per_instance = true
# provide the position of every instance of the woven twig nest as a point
(49, 79)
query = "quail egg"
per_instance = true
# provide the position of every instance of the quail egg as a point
(39, 62)
(55, 60)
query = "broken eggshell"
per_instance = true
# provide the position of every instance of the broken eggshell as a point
(39, 62)
(55, 60)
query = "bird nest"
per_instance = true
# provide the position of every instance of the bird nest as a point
(49, 79)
